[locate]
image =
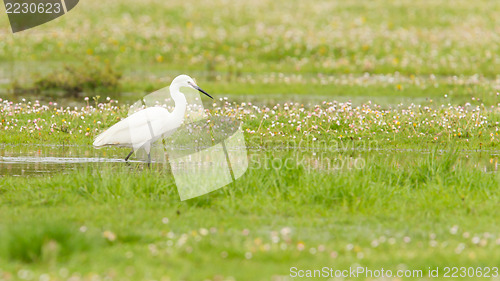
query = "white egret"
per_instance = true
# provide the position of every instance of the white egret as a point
(143, 128)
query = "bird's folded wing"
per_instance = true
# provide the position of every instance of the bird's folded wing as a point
(138, 128)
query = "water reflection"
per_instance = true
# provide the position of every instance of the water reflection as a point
(29, 160)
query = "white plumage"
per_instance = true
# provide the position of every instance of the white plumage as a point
(143, 128)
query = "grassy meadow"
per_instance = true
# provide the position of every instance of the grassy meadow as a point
(371, 126)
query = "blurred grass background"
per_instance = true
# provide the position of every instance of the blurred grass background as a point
(422, 49)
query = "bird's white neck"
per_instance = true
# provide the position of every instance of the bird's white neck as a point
(179, 100)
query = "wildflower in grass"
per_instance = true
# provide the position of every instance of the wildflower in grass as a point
(110, 236)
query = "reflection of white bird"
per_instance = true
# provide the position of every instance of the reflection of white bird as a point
(143, 128)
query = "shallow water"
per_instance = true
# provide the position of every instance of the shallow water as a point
(26, 160)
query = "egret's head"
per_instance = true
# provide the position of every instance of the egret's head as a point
(186, 81)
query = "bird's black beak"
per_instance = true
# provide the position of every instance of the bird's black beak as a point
(199, 89)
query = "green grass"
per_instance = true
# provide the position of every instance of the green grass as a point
(236, 45)
(406, 203)
(324, 125)
(424, 119)
(335, 216)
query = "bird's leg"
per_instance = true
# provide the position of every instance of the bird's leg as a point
(169, 167)
(128, 156)
(149, 159)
